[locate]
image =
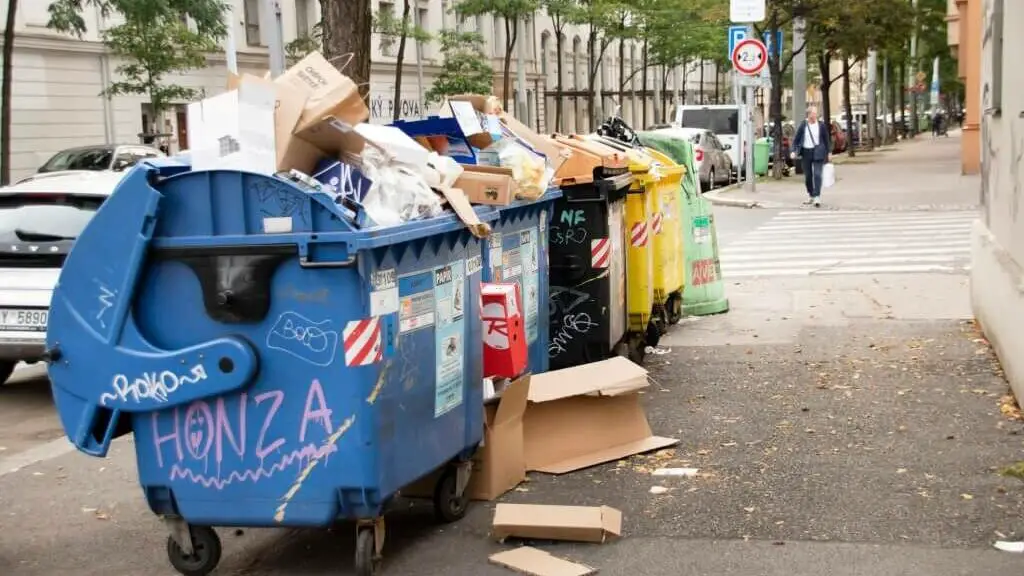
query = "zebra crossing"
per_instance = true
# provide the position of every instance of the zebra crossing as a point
(808, 242)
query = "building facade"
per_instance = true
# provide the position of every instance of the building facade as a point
(57, 79)
(963, 34)
(997, 268)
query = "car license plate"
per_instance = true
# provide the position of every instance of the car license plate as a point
(28, 320)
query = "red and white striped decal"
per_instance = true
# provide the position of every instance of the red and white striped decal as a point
(363, 342)
(638, 234)
(656, 223)
(600, 253)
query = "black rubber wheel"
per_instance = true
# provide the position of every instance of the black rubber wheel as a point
(366, 552)
(675, 308)
(653, 333)
(447, 506)
(6, 369)
(205, 556)
(636, 350)
(711, 180)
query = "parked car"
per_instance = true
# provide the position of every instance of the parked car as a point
(39, 221)
(110, 157)
(727, 121)
(714, 166)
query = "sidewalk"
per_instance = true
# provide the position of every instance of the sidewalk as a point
(920, 174)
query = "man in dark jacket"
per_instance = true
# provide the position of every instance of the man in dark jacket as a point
(813, 143)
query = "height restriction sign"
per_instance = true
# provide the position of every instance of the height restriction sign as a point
(750, 56)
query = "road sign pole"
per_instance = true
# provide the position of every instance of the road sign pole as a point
(748, 147)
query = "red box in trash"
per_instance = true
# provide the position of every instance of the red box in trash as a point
(505, 353)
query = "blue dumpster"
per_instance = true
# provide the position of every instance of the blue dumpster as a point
(517, 252)
(278, 365)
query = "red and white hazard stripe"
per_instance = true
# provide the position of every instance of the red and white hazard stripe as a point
(363, 342)
(656, 223)
(600, 253)
(638, 234)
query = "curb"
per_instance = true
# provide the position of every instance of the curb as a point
(716, 199)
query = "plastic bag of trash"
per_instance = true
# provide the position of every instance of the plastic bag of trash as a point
(828, 175)
(529, 170)
(398, 193)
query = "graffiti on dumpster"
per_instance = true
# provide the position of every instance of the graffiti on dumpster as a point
(567, 323)
(570, 229)
(278, 200)
(106, 301)
(303, 338)
(703, 272)
(156, 386)
(210, 438)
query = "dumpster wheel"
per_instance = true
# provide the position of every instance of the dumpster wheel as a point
(205, 556)
(367, 561)
(674, 306)
(449, 505)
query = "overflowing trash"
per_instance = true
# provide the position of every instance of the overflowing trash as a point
(463, 285)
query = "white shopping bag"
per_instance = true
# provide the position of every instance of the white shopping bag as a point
(828, 175)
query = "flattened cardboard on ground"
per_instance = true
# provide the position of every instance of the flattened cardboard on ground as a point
(529, 560)
(498, 465)
(487, 185)
(543, 522)
(593, 411)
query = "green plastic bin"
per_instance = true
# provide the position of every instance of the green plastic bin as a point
(762, 152)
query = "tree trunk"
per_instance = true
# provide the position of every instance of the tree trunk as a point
(591, 76)
(622, 74)
(718, 84)
(5, 105)
(848, 106)
(347, 30)
(700, 98)
(665, 71)
(903, 100)
(400, 61)
(510, 45)
(559, 87)
(775, 111)
(824, 63)
(686, 73)
(643, 89)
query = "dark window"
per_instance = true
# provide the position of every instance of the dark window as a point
(45, 217)
(80, 159)
(720, 121)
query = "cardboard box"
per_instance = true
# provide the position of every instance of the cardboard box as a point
(593, 411)
(542, 522)
(333, 106)
(487, 185)
(500, 465)
(288, 106)
(235, 130)
(529, 560)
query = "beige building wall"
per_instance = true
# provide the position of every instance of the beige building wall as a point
(997, 271)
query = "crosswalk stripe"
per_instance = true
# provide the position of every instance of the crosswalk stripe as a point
(803, 243)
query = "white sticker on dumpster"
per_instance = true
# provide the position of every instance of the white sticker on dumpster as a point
(277, 224)
(384, 296)
(449, 288)
(530, 286)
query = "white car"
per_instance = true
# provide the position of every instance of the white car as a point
(727, 121)
(39, 221)
(100, 157)
(710, 155)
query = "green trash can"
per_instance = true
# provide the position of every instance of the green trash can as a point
(762, 152)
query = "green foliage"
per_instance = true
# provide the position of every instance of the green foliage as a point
(303, 45)
(156, 38)
(682, 30)
(465, 69)
(390, 25)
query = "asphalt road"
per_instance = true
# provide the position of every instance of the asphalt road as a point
(846, 425)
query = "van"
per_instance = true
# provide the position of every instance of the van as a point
(725, 120)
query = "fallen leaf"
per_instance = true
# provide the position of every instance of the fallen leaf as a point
(967, 497)
(901, 470)
(658, 490)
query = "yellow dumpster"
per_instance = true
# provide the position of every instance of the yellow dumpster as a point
(666, 226)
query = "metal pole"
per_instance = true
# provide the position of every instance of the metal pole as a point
(419, 63)
(521, 109)
(913, 76)
(872, 98)
(885, 100)
(275, 43)
(748, 147)
(230, 52)
(799, 72)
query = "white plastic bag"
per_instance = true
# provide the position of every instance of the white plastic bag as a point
(828, 175)
(398, 193)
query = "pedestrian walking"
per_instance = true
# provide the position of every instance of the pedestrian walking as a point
(813, 144)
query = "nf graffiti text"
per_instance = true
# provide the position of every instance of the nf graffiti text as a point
(155, 386)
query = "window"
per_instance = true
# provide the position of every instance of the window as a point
(424, 24)
(39, 217)
(80, 159)
(302, 27)
(544, 39)
(387, 43)
(251, 14)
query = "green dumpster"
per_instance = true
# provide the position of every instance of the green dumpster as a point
(762, 152)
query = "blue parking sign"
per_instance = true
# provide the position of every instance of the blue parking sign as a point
(737, 33)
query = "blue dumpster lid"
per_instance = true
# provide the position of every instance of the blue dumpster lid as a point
(101, 364)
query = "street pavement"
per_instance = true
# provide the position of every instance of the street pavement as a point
(852, 423)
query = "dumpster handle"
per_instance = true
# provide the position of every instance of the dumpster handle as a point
(305, 263)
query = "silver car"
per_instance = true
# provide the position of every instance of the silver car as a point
(112, 157)
(39, 221)
(711, 156)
